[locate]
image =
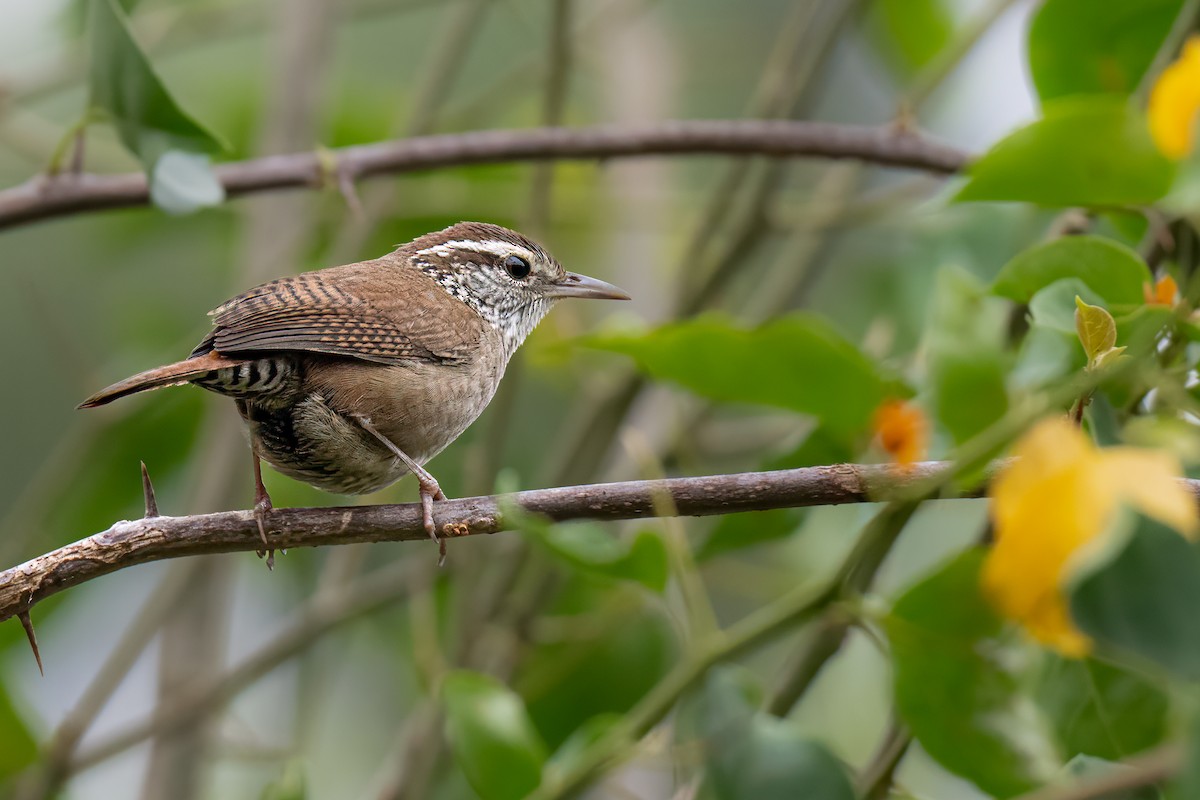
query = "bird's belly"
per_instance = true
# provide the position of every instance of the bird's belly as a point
(319, 441)
(312, 443)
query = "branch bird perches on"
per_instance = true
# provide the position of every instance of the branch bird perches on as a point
(155, 537)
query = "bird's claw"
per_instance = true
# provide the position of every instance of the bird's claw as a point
(263, 506)
(430, 491)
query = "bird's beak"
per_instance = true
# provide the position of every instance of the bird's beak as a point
(574, 285)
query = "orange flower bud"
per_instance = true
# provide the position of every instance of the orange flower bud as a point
(1162, 293)
(902, 431)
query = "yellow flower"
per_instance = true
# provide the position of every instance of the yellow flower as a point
(902, 431)
(1057, 499)
(1174, 103)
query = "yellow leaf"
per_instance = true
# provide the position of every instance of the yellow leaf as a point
(1052, 505)
(1174, 103)
(1096, 328)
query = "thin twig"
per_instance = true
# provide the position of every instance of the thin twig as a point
(449, 51)
(786, 88)
(940, 68)
(61, 195)
(1141, 770)
(875, 781)
(829, 637)
(822, 645)
(554, 100)
(1184, 22)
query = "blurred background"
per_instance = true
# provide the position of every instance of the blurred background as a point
(323, 671)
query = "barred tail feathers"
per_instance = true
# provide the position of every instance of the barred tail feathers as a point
(170, 375)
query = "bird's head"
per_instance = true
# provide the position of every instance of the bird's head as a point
(508, 279)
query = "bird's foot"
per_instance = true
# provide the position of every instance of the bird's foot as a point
(262, 507)
(430, 491)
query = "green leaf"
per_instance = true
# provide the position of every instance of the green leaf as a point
(567, 756)
(751, 754)
(1101, 709)
(957, 687)
(18, 749)
(796, 362)
(917, 30)
(1096, 46)
(1143, 601)
(181, 183)
(1088, 150)
(124, 88)
(590, 548)
(1111, 270)
(493, 739)
(970, 391)
(1054, 306)
(738, 531)
(1096, 328)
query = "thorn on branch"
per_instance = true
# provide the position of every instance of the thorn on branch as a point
(27, 624)
(148, 493)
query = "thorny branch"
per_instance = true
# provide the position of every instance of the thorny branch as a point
(128, 543)
(45, 197)
(132, 542)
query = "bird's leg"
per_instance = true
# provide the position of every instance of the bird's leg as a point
(429, 488)
(262, 504)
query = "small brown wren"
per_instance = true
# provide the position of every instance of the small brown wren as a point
(349, 377)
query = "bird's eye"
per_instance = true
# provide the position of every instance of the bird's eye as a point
(517, 267)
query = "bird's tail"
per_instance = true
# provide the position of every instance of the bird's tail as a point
(170, 375)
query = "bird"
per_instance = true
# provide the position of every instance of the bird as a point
(350, 377)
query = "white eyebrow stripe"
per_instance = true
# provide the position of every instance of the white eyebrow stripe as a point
(490, 247)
